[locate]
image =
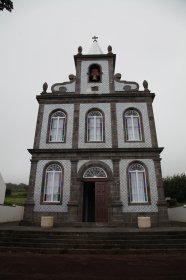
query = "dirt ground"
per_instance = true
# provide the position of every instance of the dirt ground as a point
(100, 267)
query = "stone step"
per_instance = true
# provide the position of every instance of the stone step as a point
(90, 241)
(89, 235)
(102, 245)
(95, 238)
(92, 251)
(87, 242)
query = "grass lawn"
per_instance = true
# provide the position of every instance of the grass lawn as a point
(17, 198)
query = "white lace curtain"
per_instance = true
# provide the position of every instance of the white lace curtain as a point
(137, 184)
(95, 126)
(57, 127)
(53, 182)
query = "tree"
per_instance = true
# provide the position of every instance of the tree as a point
(175, 187)
(6, 4)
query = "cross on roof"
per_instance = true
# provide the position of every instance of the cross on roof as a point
(95, 38)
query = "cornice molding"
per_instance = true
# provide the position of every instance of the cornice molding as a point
(105, 96)
(118, 151)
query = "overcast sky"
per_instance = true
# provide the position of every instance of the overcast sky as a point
(38, 40)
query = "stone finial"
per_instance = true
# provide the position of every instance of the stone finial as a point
(109, 49)
(145, 85)
(117, 76)
(45, 87)
(80, 50)
(71, 77)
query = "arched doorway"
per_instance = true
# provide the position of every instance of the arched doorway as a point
(95, 195)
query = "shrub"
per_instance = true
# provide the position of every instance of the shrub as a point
(175, 187)
(8, 192)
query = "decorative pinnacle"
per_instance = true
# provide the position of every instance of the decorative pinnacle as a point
(80, 50)
(145, 85)
(95, 38)
(109, 49)
(45, 86)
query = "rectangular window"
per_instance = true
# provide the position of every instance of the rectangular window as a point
(57, 130)
(129, 129)
(133, 129)
(136, 129)
(52, 186)
(138, 187)
(98, 131)
(91, 129)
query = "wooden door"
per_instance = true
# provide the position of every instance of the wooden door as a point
(101, 202)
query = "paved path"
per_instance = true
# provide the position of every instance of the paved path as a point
(98, 267)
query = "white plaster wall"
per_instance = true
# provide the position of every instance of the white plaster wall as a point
(69, 87)
(11, 213)
(69, 109)
(2, 190)
(66, 164)
(124, 187)
(177, 214)
(141, 107)
(103, 85)
(119, 86)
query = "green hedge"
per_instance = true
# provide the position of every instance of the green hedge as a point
(175, 187)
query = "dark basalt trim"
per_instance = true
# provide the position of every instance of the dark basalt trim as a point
(105, 97)
(109, 151)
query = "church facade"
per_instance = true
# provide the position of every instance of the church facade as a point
(95, 157)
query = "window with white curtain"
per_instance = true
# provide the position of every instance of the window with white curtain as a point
(94, 126)
(137, 183)
(57, 127)
(132, 125)
(53, 183)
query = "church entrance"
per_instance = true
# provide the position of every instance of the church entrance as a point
(95, 202)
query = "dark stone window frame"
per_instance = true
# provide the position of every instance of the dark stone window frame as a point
(86, 125)
(141, 124)
(42, 202)
(88, 74)
(49, 125)
(147, 182)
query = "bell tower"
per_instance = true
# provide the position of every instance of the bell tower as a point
(94, 70)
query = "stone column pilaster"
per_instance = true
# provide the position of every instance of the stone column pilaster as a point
(29, 206)
(116, 204)
(162, 206)
(75, 126)
(73, 204)
(114, 126)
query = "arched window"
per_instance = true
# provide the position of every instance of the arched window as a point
(94, 73)
(137, 183)
(53, 183)
(57, 127)
(95, 172)
(94, 126)
(132, 125)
